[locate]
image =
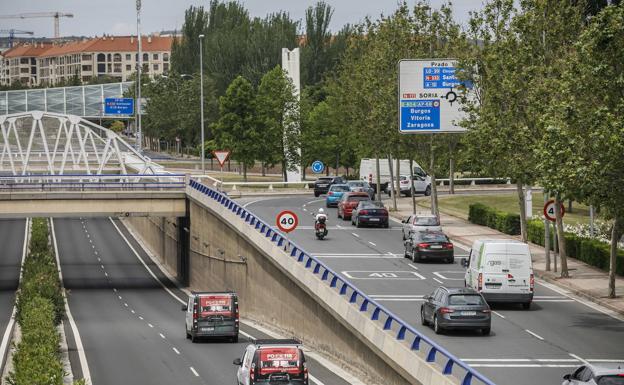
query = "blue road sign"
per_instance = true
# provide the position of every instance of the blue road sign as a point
(420, 115)
(318, 167)
(118, 106)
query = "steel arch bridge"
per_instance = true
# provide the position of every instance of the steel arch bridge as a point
(49, 143)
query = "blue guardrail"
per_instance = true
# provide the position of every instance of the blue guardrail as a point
(378, 313)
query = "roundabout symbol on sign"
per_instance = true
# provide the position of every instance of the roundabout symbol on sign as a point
(318, 167)
(549, 210)
(287, 221)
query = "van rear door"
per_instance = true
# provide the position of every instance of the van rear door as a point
(281, 364)
(520, 269)
(494, 269)
(217, 314)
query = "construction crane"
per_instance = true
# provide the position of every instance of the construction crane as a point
(55, 15)
(12, 33)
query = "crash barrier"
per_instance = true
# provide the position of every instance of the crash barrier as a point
(89, 182)
(449, 365)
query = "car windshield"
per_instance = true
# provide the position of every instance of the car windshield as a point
(358, 198)
(324, 180)
(339, 188)
(426, 221)
(356, 184)
(612, 380)
(465, 300)
(367, 204)
(431, 237)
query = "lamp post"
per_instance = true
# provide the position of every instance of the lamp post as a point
(201, 99)
(139, 137)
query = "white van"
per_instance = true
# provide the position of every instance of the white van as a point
(368, 173)
(501, 270)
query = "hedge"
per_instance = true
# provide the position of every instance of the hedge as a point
(590, 251)
(40, 308)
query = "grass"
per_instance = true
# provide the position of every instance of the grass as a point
(457, 205)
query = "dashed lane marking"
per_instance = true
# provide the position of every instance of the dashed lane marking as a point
(150, 325)
(194, 371)
(161, 335)
(372, 243)
(499, 314)
(535, 335)
(176, 351)
(438, 281)
(355, 235)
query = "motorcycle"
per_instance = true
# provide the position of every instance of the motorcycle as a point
(320, 227)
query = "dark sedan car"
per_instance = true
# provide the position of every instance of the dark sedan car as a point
(370, 213)
(456, 308)
(429, 245)
(322, 184)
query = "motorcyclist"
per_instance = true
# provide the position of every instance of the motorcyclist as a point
(320, 214)
(320, 227)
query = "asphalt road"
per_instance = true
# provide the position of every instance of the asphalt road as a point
(525, 347)
(132, 329)
(12, 244)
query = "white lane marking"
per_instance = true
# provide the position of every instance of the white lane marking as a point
(119, 296)
(438, 281)
(150, 325)
(125, 304)
(7, 332)
(412, 266)
(340, 227)
(355, 235)
(534, 335)
(161, 335)
(307, 210)
(176, 350)
(88, 237)
(141, 318)
(84, 365)
(378, 256)
(102, 266)
(399, 299)
(578, 358)
(396, 295)
(144, 264)
(441, 276)
(553, 300)
(114, 290)
(372, 243)
(99, 260)
(96, 253)
(251, 203)
(315, 380)
(194, 371)
(106, 274)
(395, 275)
(499, 314)
(132, 311)
(93, 246)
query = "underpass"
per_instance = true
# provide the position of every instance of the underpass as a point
(538, 346)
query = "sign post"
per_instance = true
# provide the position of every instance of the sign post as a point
(287, 221)
(222, 156)
(318, 167)
(429, 97)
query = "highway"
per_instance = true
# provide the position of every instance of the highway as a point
(131, 327)
(12, 240)
(530, 347)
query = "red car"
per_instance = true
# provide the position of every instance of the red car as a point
(349, 201)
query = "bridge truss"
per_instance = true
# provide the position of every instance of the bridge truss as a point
(49, 143)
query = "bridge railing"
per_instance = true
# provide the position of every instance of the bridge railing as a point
(87, 182)
(402, 331)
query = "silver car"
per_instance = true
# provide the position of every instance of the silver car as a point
(597, 374)
(419, 222)
(362, 186)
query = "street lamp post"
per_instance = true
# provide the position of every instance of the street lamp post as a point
(201, 98)
(139, 137)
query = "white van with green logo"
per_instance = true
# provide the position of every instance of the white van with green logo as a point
(501, 270)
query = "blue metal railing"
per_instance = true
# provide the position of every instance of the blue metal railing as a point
(378, 312)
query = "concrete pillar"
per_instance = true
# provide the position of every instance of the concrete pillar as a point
(290, 64)
(184, 246)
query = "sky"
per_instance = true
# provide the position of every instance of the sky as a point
(118, 17)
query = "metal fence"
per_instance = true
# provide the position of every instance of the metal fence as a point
(94, 183)
(418, 342)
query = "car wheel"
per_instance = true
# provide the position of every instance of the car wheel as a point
(352, 221)
(428, 191)
(193, 338)
(357, 223)
(406, 253)
(386, 225)
(485, 331)
(415, 256)
(187, 333)
(449, 260)
(317, 194)
(327, 204)
(403, 234)
(436, 326)
(526, 305)
(338, 213)
(423, 321)
(234, 339)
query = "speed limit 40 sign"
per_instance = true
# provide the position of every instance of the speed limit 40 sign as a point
(287, 221)
(549, 210)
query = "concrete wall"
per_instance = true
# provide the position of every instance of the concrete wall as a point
(279, 293)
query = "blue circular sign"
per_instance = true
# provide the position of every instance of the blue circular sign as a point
(318, 167)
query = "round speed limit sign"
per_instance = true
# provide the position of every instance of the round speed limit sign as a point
(287, 221)
(549, 210)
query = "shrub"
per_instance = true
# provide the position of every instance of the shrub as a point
(481, 214)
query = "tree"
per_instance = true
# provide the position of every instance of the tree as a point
(584, 142)
(237, 128)
(117, 126)
(277, 109)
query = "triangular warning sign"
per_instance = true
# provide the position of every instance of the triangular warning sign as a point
(221, 155)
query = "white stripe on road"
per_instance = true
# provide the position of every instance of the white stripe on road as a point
(194, 371)
(176, 350)
(578, 358)
(499, 314)
(534, 334)
(438, 281)
(161, 335)
(355, 235)
(396, 296)
(372, 243)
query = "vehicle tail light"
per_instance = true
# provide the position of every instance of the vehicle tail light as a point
(486, 311)
(509, 276)
(448, 245)
(251, 376)
(370, 178)
(446, 310)
(384, 211)
(480, 282)
(364, 212)
(403, 182)
(195, 312)
(423, 245)
(532, 282)
(305, 371)
(330, 193)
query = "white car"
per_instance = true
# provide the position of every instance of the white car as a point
(419, 222)
(596, 374)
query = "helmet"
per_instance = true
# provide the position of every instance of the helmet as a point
(321, 211)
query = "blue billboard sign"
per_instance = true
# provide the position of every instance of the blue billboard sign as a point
(440, 77)
(118, 106)
(420, 115)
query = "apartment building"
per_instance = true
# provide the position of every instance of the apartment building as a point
(112, 56)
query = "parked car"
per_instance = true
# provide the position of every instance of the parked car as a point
(335, 193)
(349, 201)
(422, 185)
(362, 186)
(272, 361)
(322, 184)
(611, 373)
(419, 222)
(370, 213)
(456, 308)
(429, 245)
(212, 314)
(501, 270)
